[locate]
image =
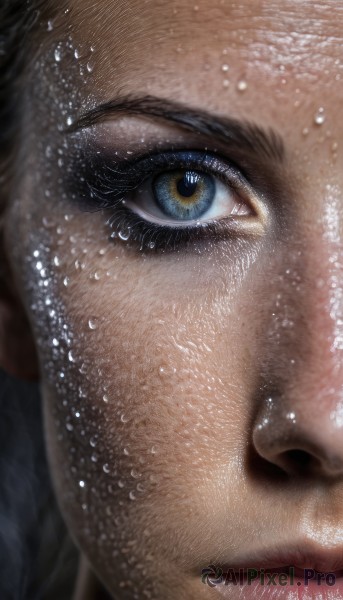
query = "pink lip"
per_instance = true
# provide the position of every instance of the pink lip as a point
(295, 591)
(301, 556)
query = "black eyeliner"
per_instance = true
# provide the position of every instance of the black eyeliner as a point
(104, 181)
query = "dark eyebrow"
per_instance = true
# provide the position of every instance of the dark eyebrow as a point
(247, 135)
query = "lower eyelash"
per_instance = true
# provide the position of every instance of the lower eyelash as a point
(131, 228)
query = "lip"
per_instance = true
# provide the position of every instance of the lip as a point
(300, 555)
(279, 559)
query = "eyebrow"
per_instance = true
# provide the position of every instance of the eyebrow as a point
(245, 134)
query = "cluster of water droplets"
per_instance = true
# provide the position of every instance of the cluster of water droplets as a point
(241, 84)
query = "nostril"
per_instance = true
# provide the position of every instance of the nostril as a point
(300, 457)
(297, 460)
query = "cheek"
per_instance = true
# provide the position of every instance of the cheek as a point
(145, 385)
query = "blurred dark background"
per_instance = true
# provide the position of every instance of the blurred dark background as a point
(37, 558)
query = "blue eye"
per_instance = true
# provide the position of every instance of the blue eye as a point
(165, 200)
(184, 195)
(189, 188)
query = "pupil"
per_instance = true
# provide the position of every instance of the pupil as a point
(188, 184)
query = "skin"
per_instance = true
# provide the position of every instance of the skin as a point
(198, 418)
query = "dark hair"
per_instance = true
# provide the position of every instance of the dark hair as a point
(17, 19)
(37, 559)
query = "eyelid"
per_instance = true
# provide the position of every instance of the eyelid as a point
(215, 165)
(107, 181)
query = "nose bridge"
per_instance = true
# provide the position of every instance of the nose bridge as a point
(322, 297)
(300, 425)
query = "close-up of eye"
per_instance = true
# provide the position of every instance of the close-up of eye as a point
(171, 300)
(164, 200)
(180, 196)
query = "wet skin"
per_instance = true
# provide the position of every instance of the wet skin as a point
(193, 394)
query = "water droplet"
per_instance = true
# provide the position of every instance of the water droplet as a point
(56, 261)
(90, 67)
(106, 468)
(76, 54)
(93, 323)
(291, 416)
(70, 120)
(82, 483)
(140, 487)
(226, 83)
(319, 117)
(93, 442)
(225, 68)
(105, 398)
(242, 85)
(58, 54)
(151, 245)
(132, 495)
(82, 393)
(135, 474)
(124, 418)
(71, 357)
(50, 26)
(66, 281)
(305, 131)
(126, 452)
(55, 342)
(121, 484)
(124, 234)
(153, 450)
(69, 427)
(48, 222)
(79, 265)
(96, 276)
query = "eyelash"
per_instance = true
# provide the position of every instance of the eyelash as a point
(108, 183)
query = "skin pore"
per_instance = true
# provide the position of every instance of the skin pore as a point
(193, 392)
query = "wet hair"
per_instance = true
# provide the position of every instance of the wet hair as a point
(37, 559)
(20, 26)
(17, 18)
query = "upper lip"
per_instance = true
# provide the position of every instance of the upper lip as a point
(323, 559)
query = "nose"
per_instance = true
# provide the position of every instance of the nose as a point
(299, 438)
(299, 425)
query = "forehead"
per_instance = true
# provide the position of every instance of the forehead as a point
(302, 35)
(212, 48)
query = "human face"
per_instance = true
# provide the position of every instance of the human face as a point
(192, 382)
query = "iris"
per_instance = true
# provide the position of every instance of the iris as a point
(184, 195)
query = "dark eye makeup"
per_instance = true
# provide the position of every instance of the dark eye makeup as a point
(167, 199)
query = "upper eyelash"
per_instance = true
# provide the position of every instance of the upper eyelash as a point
(106, 184)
